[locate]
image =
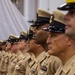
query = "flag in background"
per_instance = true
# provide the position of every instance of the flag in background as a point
(11, 20)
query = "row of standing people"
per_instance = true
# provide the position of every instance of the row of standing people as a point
(27, 55)
(46, 42)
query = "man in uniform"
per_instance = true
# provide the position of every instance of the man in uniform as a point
(21, 66)
(0, 50)
(6, 57)
(15, 49)
(69, 17)
(61, 45)
(48, 64)
(22, 42)
(38, 51)
(2, 55)
(42, 21)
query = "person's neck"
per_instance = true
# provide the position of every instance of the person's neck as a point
(8, 51)
(23, 51)
(38, 50)
(66, 55)
(17, 51)
(45, 46)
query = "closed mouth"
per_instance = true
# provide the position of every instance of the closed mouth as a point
(67, 26)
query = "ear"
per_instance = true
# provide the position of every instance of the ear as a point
(69, 42)
(38, 45)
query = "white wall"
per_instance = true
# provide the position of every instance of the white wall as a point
(50, 5)
(43, 4)
(30, 7)
(55, 3)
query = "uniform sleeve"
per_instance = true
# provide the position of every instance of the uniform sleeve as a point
(20, 68)
(54, 65)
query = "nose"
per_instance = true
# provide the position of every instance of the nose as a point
(48, 40)
(35, 32)
(67, 17)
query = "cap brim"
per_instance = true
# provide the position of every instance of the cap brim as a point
(66, 6)
(33, 25)
(36, 24)
(55, 27)
(46, 29)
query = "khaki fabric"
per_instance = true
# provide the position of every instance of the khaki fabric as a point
(0, 55)
(12, 57)
(49, 65)
(12, 65)
(20, 68)
(4, 56)
(7, 62)
(43, 13)
(33, 64)
(68, 68)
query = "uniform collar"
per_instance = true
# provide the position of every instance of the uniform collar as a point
(40, 57)
(70, 63)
